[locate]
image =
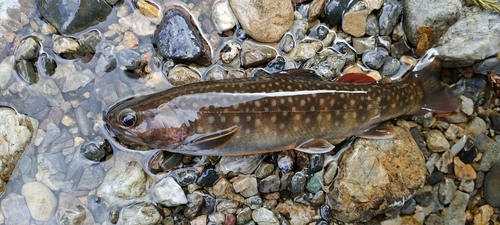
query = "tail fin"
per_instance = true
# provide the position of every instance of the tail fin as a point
(437, 97)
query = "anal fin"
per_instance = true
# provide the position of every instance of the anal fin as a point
(359, 78)
(315, 146)
(380, 131)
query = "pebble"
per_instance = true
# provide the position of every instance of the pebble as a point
(435, 177)
(254, 202)
(269, 184)
(454, 213)
(169, 193)
(230, 54)
(447, 189)
(391, 67)
(372, 28)
(316, 9)
(298, 182)
(236, 165)
(305, 51)
(409, 207)
(14, 209)
(335, 9)
(92, 151)
(28, 49)
(207, 178)
(227, 206)
(475, 127)
(124, 181)
(185, 176)
(16, 131)
(327, 64)
(40, 200)
(483, 215)
(349, 204)
(436, 141)
(176, 26)
(354, 20)
(315, 183)
(46, 65)
(265, 21)
(71, 211)
(491, 186)
(27, 71)
(6, 68)
(298, 213)
(253, 54)
(264, 216)
(264, 170)
(223, 189)
(375, 58)
(223, 16)
(182, 75)
(244, 216)
(495, 122)
(246, 185)
(390, 13)
(491, 64)
(141, 213)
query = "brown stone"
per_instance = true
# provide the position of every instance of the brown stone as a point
(376, 177)
(264, 20)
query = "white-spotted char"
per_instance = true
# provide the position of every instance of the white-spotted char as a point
(293, 109)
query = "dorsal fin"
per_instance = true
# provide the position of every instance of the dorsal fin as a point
(300, 73)
(360, 78)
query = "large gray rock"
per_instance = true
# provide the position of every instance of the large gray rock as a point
(16, 132)
(73, 16)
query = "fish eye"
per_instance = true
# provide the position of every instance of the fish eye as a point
(127, 117)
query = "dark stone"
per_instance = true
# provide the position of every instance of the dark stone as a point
(208, 178)
(277, 64)
(316, 162)
(491, 186)
(298, 182)
(469, 153)
(372, 28)
(326, 213)
(209, 204)
(185, 176)
(495, 122)
(27, 71)
(88, 42)
(92, 151)
(389, 16)
(72, 16)
(269, 184)
(472, 88)
(240, 34)
(391, 67)
(285, 162)
(423, 199)
(375, 58)
(335, 10)
(176, 37)
(322, 32)
(435, 177)
(46, 65)
(409, 207)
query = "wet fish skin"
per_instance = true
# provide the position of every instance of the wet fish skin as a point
(290, 110)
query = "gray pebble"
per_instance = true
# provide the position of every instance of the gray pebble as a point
(298, 182)
(142, 213)
(254, 202)
(375, 58)
(391, 67)
(128, 59)
(491, 186)
(269, 184)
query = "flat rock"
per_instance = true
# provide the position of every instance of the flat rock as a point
(16, 132)
(376, 176)
(169, 193)
(40, 200)
(72, 16)
(264, 20)
(492, 186)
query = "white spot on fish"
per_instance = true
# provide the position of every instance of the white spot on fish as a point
(273, 103)
(307, 120)
(257, 103)
(211, 119)
(352, 102)
(302, 102)
(273, 118)
(282, 126)
(236, 119)
(199, 129)
(247, 131)
(222, 119)
(321, 101)
(249, 118)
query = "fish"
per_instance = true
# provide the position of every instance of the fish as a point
(289, 110)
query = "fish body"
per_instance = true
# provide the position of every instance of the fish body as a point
(289, 110)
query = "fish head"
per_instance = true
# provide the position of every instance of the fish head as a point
(153, 128)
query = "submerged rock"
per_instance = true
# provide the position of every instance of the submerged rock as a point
(376, 177)
(16, 132)
(177, 38)
(72, 16)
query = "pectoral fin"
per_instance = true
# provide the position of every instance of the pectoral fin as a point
(315, 146)
(380, 131)
(359, 78)
(212, 140)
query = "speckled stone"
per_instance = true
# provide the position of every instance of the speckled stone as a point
(40, 200)
(454, 214)
(374, 165)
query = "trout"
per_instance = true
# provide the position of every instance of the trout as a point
(292, 109)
